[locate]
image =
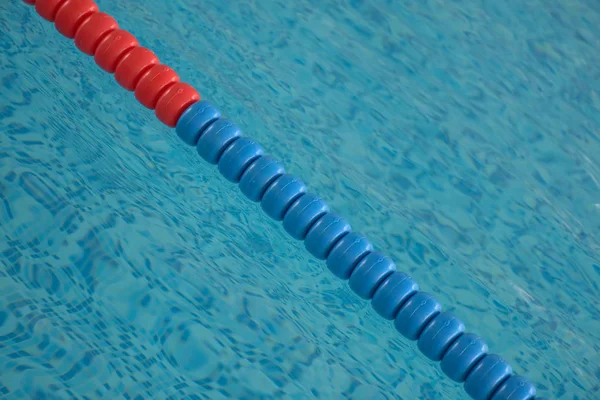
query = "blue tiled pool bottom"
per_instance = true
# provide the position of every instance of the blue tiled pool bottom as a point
(463, 139)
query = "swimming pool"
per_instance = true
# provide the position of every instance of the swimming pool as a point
(474, 168)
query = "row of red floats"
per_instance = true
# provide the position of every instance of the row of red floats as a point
(135, 68)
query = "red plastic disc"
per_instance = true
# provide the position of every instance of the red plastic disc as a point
(153, 83)
(93, 30)
(112, 48)
(48, 8)
(31, 2)
(72, 14)
(133, 65)
(175, 100)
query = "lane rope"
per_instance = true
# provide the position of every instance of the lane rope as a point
(394, 295)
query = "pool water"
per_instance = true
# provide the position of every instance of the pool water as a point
(463, 138)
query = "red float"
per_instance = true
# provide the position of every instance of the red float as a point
(48, 8)
(31, 2)
(133, 65)
(153, 83)
(112, 48)
(93, 30)
(72, 14)
(175, 100)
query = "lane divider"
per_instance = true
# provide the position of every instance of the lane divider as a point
(394, 295)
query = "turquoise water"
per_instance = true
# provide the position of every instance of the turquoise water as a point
(463, 138)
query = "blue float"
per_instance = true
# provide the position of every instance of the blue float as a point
(369, 273)
(302, 215)
(415, 314)
(439, 334)
(259, 176)
(216, 138)
(237, 157)
(194, 121)
(324, 234)
(280, 195)
(487, 375)
(393, 292)
(462, 356)
(515, 388)
(347, 253)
